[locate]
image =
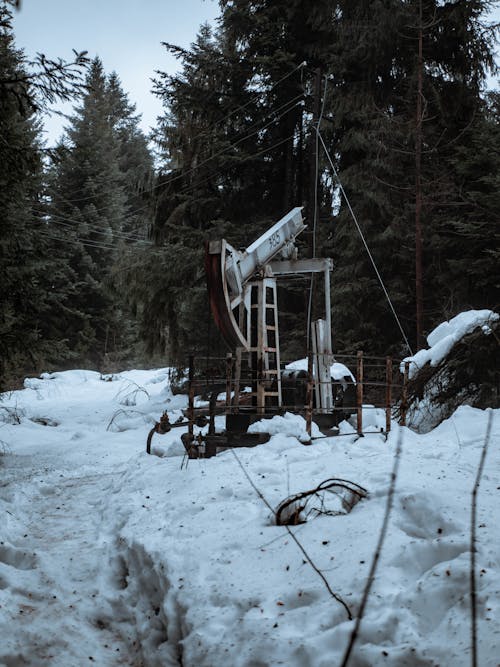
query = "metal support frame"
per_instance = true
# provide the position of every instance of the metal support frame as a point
(321, 334)
(265, 349)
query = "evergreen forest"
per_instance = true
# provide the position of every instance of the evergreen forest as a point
(371, 114)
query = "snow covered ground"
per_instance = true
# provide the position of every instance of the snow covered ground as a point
(109, 556)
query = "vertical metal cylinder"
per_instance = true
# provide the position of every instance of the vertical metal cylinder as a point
(359, 393)
(388, 393)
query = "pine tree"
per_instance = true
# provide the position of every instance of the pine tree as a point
(25, 258)
(235, 137)
(469, 250)
(203, 151)
(96, 210)
(394, 165)
(238, 139)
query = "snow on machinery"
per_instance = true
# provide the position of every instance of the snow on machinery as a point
(242, 288)
(242, 291)
(249, 384)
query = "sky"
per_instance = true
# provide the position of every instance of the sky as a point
(125, 34)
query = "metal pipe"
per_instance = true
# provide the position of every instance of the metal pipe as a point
(359, 393)
(404, 397)
(388, 394)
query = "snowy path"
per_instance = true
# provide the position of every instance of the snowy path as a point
(58, 592)
(112, 557)
(59, 568)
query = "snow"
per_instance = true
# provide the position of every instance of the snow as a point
(289, 425)
(442, 339)
(109, 556)
(338, 371)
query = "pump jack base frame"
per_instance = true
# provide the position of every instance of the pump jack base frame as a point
(207, 446)
(236, 435)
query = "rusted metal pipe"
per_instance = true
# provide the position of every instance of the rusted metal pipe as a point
(359, 394)
(237, 379)
(388, 394)
(161, 427)
(404, 396)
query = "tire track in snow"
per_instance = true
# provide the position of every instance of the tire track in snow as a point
(58, 611)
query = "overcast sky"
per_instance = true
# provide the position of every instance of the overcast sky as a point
(125, 34)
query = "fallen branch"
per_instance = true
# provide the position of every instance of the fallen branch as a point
(290, 511)
(334, 595)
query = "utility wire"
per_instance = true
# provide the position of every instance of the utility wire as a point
(293, 536)
(193, 187)
(77, 241)
(221, 120)
(67, 221)
(56, 219)
(223, 151)
(215, 155)
(473, 521)
(315, 216)
(353, 215)
(187, 188)
(255, 95)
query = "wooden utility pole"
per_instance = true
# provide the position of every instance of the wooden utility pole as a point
(419, 291)
(313, 175)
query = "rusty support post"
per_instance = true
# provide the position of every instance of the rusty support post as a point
(309, 394)
(211, 412)
(388, 393)
(359, 394)
(191, 398)
(404, 397)
(229, 379)
(237, 379)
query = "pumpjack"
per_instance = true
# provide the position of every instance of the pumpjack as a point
(242, 291)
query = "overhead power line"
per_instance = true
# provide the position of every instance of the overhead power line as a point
(293, 102)
(76, 241)
(200, 134)
(360, 231)
(71, 223)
